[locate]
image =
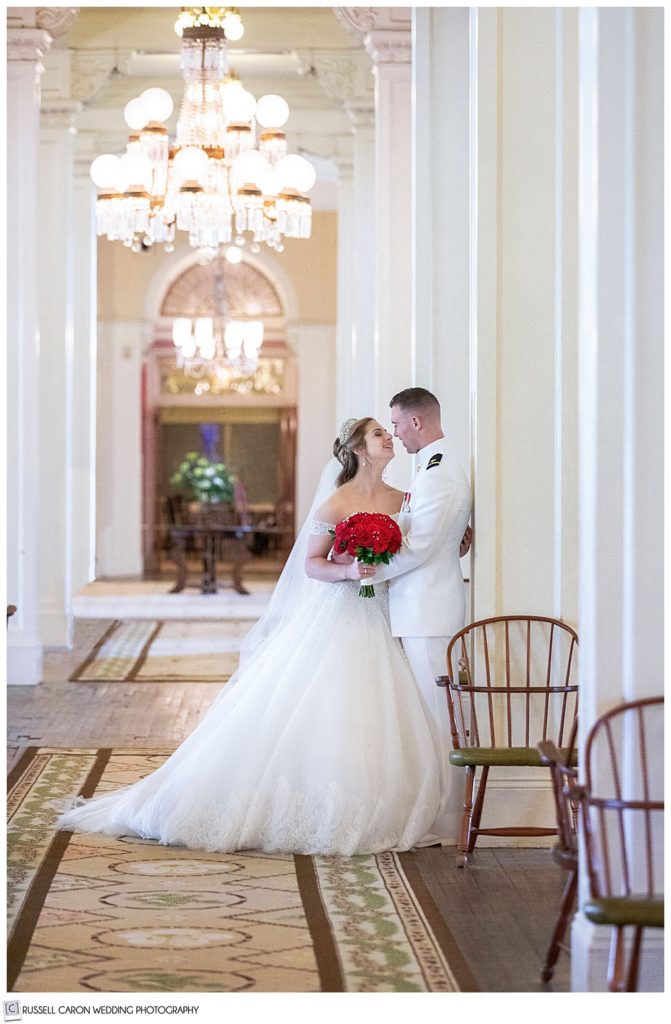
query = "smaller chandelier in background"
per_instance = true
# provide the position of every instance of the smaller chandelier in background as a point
(204, 345)
(218, 182)
(215, 344)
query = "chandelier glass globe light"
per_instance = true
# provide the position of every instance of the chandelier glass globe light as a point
(218, 181)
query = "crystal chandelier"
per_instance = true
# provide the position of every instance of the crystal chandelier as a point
(216, 345)
(217, 182)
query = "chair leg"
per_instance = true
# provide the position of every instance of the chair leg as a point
(477, 809)
(616, 962)
(634, 957)
(465, 833)
(554, 948)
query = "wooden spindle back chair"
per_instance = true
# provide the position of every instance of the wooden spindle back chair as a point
(565, 851)
(622, 801)
(511, 682)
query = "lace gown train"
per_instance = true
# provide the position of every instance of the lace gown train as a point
(322, 744)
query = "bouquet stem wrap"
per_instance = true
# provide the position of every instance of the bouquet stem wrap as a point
(371, 537)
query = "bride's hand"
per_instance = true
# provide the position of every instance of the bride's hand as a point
(359, 571)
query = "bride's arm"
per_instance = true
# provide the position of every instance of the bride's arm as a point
(318, 566)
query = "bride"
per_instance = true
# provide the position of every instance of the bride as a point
(321, 742)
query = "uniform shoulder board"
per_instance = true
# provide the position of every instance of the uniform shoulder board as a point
(434, 461)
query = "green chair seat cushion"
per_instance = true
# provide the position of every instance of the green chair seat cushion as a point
(644, 911)
(526, 757)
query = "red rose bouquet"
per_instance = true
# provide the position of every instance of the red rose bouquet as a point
(372, 537)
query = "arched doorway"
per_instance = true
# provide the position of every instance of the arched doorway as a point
(250, 421)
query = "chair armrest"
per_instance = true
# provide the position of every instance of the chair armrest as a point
(548, 752)
(564, 760)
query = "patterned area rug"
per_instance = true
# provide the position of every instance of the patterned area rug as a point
(97, 914)
(172, 651)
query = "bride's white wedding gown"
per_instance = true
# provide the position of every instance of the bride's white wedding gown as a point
(323, 744)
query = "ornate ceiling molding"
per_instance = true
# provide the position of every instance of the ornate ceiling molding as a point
(31, 31)
(27, 45)
(55, 20)
(343, 75)
(389, 47)
(384, 31)
(91, 71)
(357, 20)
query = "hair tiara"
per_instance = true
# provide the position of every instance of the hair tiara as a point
(346, 429)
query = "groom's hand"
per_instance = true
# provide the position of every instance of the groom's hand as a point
(465, 545)
(355, 570)
(341, 558)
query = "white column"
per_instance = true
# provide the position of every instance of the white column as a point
(441, 227)
(56, 368)
(621, 413)
(523, 321)
(504, 265)
(26, 47)
(315, 348)
(345, 366)
(121, 345)
(362, 255)
(345, 76)
(484, 247)
(84, 380)
(391, 52)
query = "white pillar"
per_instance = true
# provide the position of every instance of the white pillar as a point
(84, 380)
(362, 255)
(523, 319)
(441, 223)
(500, 264)
(121, 345)
(57, 287)
(315, 348)
(26, 47)
(345, 366)
(621, 413)
(391, 53)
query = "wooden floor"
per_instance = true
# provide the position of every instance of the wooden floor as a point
(501, 907)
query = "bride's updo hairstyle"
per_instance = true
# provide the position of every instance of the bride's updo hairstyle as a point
(350, 437)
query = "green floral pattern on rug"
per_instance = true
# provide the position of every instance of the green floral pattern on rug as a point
(113, 915)
(32, 809)
(383, 942)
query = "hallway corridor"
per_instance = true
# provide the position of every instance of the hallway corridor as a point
(500, 911)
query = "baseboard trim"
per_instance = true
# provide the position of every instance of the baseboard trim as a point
(24, 663)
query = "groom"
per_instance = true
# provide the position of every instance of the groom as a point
(427, 603)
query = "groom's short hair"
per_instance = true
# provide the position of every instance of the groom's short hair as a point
(417, 400)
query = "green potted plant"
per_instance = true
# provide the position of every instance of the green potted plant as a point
(204, 480)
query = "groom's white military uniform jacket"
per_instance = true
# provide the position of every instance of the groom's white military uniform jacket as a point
(426, 592)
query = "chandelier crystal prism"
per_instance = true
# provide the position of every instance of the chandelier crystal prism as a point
(218, 182)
